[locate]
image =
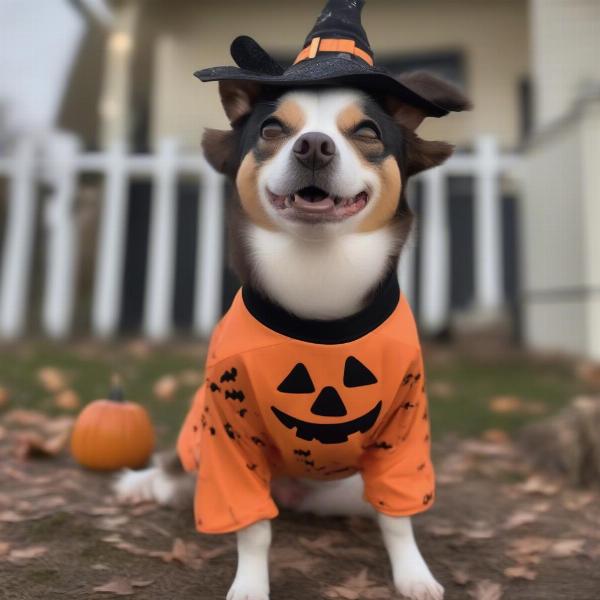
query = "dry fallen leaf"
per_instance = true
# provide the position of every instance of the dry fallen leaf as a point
(519, 518)
(10, 516)
(527, 550)
(191, 555)
(520, 572)
(478, 531)
(566, 548)
(495, 436)
(536, 484)
(358, 587)
(53, 380)
(112, 523)
(118, 586)
(575, 501)
(25, 418)
(324, 543)
(4, 397)
(33, 445)
(67, 400)
(460, 576)
(19, 554)
(486, 590)
(441, 389)
(288, 558)
(166, 388)
(441, 529)
(505, 404)
(191, 377)
(532, 407)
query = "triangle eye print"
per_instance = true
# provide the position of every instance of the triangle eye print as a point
(298, 381)
(356, 374)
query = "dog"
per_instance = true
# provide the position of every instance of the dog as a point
(315, 373)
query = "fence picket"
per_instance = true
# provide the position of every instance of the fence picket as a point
(435, 245)
(59, 292)
(110, 256)
(488, 232)
(161, 252)
(209, 272)
(18, 244)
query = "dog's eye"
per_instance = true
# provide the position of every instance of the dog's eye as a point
(271, 129)
(367, 130)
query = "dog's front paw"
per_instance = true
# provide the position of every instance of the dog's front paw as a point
(420, 586)
(246, 590)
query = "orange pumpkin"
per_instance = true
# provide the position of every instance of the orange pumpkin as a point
(112, 434)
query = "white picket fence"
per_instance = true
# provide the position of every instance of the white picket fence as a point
(59, 163)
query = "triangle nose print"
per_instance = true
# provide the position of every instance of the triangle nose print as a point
(328, 404)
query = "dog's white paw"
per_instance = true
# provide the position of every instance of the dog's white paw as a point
(246, 590)
(147, 485)
(420, 586)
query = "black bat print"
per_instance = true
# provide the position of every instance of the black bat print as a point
(302, 452)
(235, 395)
(229, 375)
(214, 387)
(229, 430)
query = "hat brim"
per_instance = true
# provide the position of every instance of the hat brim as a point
(334, 70)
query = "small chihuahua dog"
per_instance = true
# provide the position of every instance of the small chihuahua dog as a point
(315, 373)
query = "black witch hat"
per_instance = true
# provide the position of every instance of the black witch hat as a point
(336, 52)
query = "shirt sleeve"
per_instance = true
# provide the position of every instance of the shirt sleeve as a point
(188, 440)
(234, 475)
(397, 469)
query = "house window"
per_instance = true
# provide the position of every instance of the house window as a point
(448, 65)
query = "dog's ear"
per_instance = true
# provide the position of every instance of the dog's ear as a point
(220, 150)
(238, 98)
(436, 90)
(423, 154)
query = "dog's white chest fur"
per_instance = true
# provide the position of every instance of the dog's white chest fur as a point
(326, 278)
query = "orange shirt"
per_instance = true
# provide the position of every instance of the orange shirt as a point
(309, 399)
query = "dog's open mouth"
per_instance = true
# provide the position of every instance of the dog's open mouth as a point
(314, 203)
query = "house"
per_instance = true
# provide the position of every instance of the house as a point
(483, 45)
(150, 95)
(484, 245)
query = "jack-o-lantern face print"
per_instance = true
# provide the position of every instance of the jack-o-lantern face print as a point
(328, 403)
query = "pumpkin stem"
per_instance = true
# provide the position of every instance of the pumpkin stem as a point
(116, 389)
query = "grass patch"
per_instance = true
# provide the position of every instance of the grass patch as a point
(462, 389)
(460, 385)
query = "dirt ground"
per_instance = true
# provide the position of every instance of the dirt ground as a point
(496, 531)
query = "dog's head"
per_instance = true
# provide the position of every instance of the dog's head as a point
(321, 161)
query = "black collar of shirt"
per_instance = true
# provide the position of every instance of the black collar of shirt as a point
(339, 331)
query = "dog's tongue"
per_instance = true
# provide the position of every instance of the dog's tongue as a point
(313, 205)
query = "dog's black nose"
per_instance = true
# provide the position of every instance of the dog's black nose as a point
(314, 150)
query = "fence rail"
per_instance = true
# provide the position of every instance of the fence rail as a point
(59, 163)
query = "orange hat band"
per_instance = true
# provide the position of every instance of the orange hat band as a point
(332, 45)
